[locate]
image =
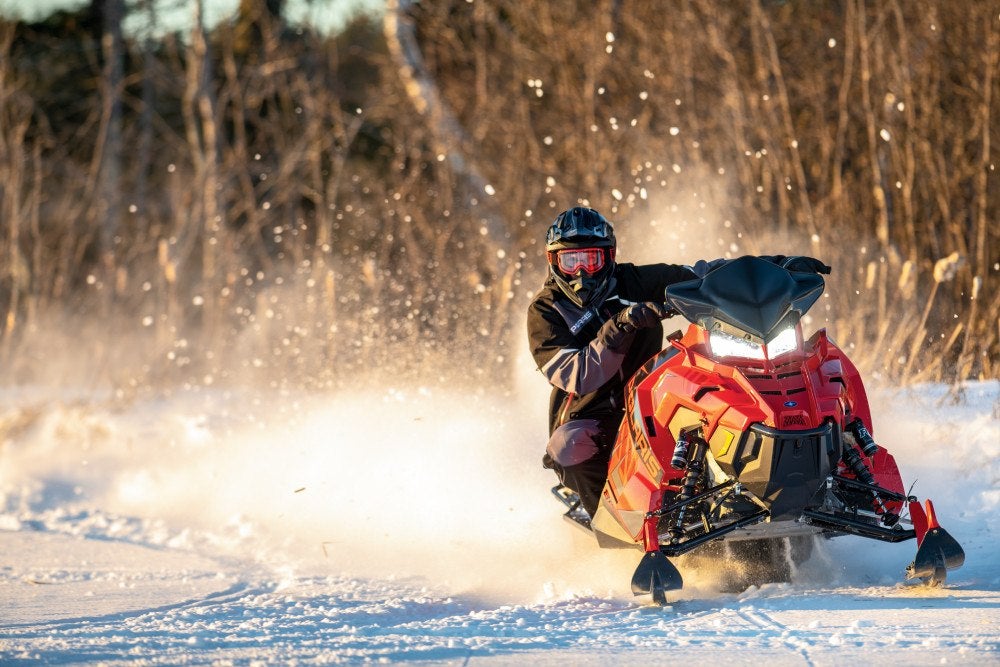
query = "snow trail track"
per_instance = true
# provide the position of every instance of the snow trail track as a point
(173, 533)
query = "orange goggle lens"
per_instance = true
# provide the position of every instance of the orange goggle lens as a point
(588, 260)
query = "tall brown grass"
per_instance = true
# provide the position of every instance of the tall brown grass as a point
(243, 205)
(859, 132)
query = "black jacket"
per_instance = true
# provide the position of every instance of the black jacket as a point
(583, 353)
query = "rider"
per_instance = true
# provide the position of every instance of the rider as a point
(592, 325)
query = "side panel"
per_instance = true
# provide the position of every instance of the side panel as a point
(837, 368)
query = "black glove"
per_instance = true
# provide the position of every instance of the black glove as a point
(641, 316)
(615, 332)
(803, 264)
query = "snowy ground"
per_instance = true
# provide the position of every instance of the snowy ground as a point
(416, 525)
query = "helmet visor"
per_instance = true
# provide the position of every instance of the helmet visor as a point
(573, 260)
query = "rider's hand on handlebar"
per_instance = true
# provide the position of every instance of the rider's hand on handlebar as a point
(805, 265)
(642, 316)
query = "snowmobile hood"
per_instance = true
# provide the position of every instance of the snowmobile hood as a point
(749, 293)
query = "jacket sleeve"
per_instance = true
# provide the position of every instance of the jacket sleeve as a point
(568, 365)
(648, 282)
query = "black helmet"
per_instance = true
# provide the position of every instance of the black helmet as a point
(580, 246)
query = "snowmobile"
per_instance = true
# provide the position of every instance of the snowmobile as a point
(741, 432)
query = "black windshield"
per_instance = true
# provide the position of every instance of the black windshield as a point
(750, 293)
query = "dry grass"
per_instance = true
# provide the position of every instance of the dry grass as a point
(225, 211)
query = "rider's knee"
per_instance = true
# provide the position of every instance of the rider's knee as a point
(574, 442)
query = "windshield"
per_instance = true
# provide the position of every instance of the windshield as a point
(757, 298)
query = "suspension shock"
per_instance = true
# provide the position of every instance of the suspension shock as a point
(693, 461)
(852, 457)
(863, 437)
(679, 459)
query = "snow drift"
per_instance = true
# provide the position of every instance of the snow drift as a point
(295, 507)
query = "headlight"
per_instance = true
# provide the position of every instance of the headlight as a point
(727, 345)
(724, 344)
(786, 341)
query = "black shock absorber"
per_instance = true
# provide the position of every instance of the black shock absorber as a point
(694, 464)
(864, 438)
(852, 457)
(858, 466)
(679, 459)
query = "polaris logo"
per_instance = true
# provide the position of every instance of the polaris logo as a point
(790, 404)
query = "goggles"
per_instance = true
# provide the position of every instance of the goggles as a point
(574, 260)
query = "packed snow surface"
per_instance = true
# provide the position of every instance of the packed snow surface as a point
(408, 524)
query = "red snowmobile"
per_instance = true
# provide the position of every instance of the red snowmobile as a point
(742, 434)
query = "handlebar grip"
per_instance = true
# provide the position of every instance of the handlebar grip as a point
(668, 311)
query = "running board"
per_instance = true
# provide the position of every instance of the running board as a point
(574, 513)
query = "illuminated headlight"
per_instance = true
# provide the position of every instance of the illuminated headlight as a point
(727, 345)
(786, 341)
